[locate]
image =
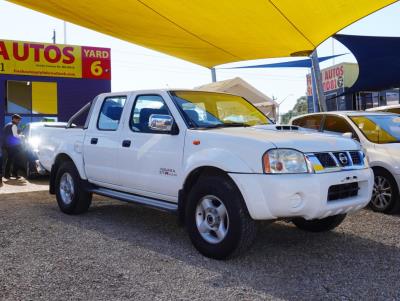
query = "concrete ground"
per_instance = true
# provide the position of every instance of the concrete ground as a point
(119, 251)
(22, 185)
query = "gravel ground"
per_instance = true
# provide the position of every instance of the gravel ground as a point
(119, 251)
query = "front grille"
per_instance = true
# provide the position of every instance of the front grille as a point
(342, 191)
(326, 160)
(333, 161)
(342, 158)
(356, 158)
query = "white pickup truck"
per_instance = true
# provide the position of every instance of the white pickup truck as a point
(212, 158)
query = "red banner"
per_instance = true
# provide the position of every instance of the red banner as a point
(96, 62)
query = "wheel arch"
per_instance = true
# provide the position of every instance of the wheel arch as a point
(191, 179)
(382, 168)
(58, 161)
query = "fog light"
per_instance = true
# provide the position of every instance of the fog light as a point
(296, 200)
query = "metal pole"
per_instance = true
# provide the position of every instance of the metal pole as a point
(213, 75)
(316, 71)
(65, 32)
(314, 93)
(54, 36)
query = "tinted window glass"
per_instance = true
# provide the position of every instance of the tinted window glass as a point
(208, 109)
(379, 128)
(393, 110)
(145, 106)
(110, 113)
(309, 122)
(337, 124)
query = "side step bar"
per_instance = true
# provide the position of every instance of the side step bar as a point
(137, 199)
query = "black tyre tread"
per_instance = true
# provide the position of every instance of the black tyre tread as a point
(248, 230)
(319, 225)
(395, 206)
(83, 199)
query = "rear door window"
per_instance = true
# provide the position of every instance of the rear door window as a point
(110, 113)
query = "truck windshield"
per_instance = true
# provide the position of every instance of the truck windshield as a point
(379, 128)
(212, 110)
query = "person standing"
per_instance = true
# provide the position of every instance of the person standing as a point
(11, 146)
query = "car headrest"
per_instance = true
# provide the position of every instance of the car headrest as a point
(114, 112)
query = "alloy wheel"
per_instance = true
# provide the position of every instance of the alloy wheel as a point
(382, 193)
(212, 219)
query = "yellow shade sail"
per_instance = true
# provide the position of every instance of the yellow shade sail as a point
(214, 32)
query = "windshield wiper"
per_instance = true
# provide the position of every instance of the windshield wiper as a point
(230, 124)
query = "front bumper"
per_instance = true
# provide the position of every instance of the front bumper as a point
(301, 195)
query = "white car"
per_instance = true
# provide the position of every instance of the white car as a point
(177, 151)
(389, 109)
(379, 135)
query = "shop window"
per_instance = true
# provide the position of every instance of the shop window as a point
(19, 97)
(44, 98)
(25, 97)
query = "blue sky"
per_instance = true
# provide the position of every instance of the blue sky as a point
(134, 67)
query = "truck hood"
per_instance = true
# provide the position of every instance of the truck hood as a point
(283, 136)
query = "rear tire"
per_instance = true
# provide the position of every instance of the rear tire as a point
(385, 196)
(71, 197)
(319, 225)
(217, 219)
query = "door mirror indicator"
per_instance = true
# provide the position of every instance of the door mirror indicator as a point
(161, 123)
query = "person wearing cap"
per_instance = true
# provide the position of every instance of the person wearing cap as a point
(11, 146)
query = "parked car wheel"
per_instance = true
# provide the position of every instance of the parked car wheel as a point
(319, 225)
(71, 197)
(217, 219)
(385, 196)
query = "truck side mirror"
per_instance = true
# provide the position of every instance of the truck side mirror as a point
(161, 123)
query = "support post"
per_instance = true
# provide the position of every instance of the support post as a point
(314, 93)
(319, 90)
(213, 75)
(65, 32)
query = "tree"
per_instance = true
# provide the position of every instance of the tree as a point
(300, 108)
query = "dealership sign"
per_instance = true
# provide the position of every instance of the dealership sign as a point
(336, 77)
(54, 60)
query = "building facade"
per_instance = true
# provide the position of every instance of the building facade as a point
(336, 81)
(50, 82)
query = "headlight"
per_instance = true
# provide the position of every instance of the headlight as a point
(280, 161)
(34, 143)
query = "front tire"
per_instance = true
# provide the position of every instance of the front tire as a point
(71, 197)
(385, 196)
(217, 219)
(319, 225)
